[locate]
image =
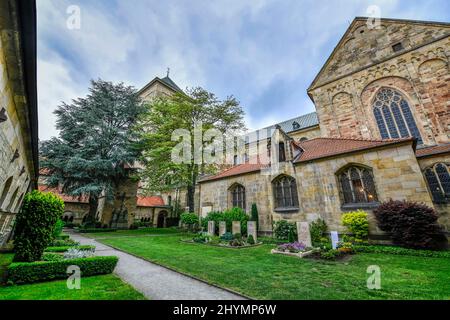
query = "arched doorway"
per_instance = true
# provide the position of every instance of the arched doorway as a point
(161, 223)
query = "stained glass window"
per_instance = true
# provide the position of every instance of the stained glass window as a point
(393, 116)
(285, 192)
(357, 185)
(438, 179)
(238, 196)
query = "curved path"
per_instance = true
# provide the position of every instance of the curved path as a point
(156, 282)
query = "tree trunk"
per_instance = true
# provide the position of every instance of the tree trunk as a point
(191, 188)
(93, 205)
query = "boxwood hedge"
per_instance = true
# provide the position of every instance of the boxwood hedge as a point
(29, 272)
(65, 248)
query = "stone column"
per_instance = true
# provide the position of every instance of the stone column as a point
(211, 228)
(251, 229)
(236, 227)
(304, 237)
(222, 228)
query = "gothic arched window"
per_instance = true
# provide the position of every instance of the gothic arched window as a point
(438, 179)
(238, 196)
(357, 185)
(285, 192)
(393, 116)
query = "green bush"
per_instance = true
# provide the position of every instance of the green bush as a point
(62, 237)
(357, 223)
(330, 254)
(59, 225)
(291, 236)
(237, 236)
(215, 216)
(317, 229)
(250, 239)
(63, 243)
(236, 214)
(282, 229)
(189, 219)
(65, 248)
(49, 256)
(35, 224)
(29, 272)
(254, 215)
(227, 236)
(401, 251)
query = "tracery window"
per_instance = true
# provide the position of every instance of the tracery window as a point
(393, 116)
(238, 196)
(285, 192)
(438, 179)
(357, 185)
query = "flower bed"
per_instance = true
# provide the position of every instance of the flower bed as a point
(296, 249)
(226, 241)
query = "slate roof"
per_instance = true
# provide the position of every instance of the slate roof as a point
(235, 171)
(171, 84)
(318, 148)
(428, 151)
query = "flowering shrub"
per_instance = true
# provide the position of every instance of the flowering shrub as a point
(292, 247)
(345, 247)
(74, 253)
(357, 223)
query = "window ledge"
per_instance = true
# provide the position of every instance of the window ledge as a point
(363, 205)
(287, 210)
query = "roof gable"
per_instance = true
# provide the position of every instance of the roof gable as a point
(362, 46)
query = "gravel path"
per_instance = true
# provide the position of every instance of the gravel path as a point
(156, 282)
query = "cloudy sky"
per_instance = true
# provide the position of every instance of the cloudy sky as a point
(264, 52)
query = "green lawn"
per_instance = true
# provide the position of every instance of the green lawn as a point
(259, 274)
(105, 287)
(137, 232)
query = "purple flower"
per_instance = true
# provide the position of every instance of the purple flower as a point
(292, 247)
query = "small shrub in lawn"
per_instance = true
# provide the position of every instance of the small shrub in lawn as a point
(317, 229)
(189, 219)
(250, 240)
(357, 223)
(201, 237)
(412, 225)
(282, 229)
(48, 256)
(331, 254)
(227, 236)
(35, 224)
(237, 236)
(29, 272)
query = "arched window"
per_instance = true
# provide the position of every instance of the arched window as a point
(285, 192)
(238, 196)
(438, 179)
(357, 185)
(5, 190)
(393, 116)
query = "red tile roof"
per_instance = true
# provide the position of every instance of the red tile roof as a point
(153, 201)
(234, 171)
(66, 198)
(318, 148)
(433, 150)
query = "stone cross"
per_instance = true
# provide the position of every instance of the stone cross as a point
(236, 227)
(334, 239)
(251, 229)
(304, 237)
(222, 228)
(211, 228)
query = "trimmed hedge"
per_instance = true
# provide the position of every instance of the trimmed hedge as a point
(65, 248)
(96, 230)
(62, 236)
(401, 251)
(30, 272)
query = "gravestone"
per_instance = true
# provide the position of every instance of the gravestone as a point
(236, 227)
(211, 228)
(304, 237)
(251, 229)
(334, 239)
(222, 228)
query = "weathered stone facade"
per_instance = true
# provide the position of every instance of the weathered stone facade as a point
(409, 57)
(18, 110)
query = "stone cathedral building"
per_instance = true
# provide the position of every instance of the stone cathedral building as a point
(381, 130)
